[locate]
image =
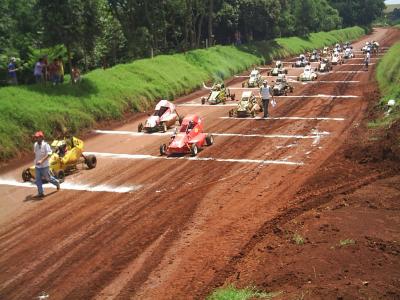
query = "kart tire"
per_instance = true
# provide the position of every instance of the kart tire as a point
(26, 175)
(243, 85)
(231, 113)
(91, 161)
(285, 92)
(60, 176)
(233, 97)
(164, 127)
(163, 149)
(203, 100)
(209, 140)
(140, 127)
(181, 120)
(194, 150)
(253, 114)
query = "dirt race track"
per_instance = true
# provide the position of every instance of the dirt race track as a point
(179, 228)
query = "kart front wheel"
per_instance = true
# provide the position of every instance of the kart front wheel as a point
(26, 175)
(140, 127)
(181, 120)
(209, 139)
(163, 149)
(164, 127)
(203, 100)
(91, 161)
(194, 150)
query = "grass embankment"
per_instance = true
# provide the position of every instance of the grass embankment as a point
(107, 94)
(388, 76)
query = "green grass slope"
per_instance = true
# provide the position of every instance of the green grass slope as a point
(107, 94)
(388, 76)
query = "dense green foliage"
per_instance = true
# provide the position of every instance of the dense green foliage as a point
(388, 76)
(107, 94)
(232, 293)
(98, 33)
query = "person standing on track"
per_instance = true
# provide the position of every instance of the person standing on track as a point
(266, 94)
(367, 59)
(42, 167)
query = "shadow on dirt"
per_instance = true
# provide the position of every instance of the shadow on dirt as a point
(33, 198)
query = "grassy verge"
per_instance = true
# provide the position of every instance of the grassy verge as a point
(107, 94)
(232, 293)
(388, 77)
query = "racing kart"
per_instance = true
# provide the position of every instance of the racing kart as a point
(255, 79)
(325, 51)
(325, 66)
(307, 75)
(281, 86)
(348, 53)
(279, 69)
(66, 155)
(315, 56)
(164, 116)
(336, 59)
(249, 105)
(190, 138)
(218, 94)
(300, 62)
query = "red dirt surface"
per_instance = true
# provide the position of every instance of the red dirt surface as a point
(197, 225)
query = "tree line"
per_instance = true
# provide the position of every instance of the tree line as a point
(93, 33)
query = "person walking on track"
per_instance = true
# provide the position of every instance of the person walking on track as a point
(266, 94)
(367, 59)
(42, 167)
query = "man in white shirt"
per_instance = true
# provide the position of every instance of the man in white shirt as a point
(42, 152)
(266, 94)
(367, 59)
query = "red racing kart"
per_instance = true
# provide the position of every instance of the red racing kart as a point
(190, 138)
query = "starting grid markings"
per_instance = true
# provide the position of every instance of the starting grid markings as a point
(227, 160)
(271, 136)
(75, 187)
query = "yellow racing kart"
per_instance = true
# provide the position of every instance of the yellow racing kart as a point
(66, 156)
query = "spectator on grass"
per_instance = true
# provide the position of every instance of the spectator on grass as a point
(62, 72)
(38, 71)
(54, 70)
(12, 71)
(76, 75)
(45, 69)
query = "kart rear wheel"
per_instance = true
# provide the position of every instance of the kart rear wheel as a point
(203, 100)
(233, 97)
(194, 150)
(26, 175)
(253, 114)
(140, 127)
(163, 149)
(91, 161)
(209, 139)
(231, 113)
(181, 120)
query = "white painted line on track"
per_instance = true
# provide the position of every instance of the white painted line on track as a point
(133, 133)
(346, 64)
(207, 105)
(319, 96)
(75, 187)
(230, 160)
(326, 81)
(344, 72)
(288, 118)
(272, 136)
